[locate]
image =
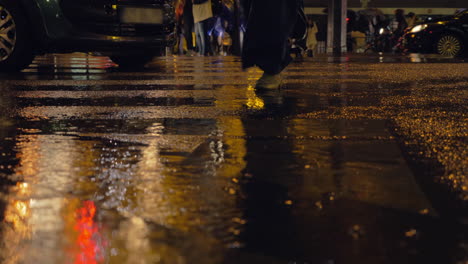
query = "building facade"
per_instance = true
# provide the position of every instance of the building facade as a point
(422, 7)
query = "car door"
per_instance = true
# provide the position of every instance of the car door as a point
(97, 16)
(464, 23)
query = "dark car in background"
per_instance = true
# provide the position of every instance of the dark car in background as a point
(446, 36)
(131, 32)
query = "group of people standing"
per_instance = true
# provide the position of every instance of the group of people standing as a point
(370, 29)
(399, 25)
(210, 21)
(270, 28)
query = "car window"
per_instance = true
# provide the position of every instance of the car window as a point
(462, 15)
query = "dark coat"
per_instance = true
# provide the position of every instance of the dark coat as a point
(269, 25)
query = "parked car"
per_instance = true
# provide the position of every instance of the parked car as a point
(131, 32)
(445, 36)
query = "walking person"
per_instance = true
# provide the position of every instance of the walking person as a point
(398, 26)
(270, 24)
(202, 13)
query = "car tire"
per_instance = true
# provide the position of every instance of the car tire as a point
(16, 51)
(131, 62)
(449, 45)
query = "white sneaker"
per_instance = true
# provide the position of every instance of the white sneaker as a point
(268, 82)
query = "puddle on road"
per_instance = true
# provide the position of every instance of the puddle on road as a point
(162, 196)
(312, 174)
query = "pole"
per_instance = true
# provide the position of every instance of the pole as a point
(336, 35)
(236, 45)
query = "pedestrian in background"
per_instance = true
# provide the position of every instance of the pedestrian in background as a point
(270, 23)
(179, 43)
(412, 19)
(188, 24)
(202, 13)
(311, 37)
(223, 27)
(399, 24)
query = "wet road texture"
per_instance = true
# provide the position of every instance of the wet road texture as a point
(353, 161)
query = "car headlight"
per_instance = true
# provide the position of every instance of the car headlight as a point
(418, 28)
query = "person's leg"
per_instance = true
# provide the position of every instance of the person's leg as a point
(200, 38)
(197, 41)
(269, 25)
(312, 49)
(205, 40)
(188, 27)
(207, 26)
(268, 29)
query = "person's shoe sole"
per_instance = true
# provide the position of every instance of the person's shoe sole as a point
(268, 83)
(267, 87)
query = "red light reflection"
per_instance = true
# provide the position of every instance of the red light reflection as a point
(89, 239)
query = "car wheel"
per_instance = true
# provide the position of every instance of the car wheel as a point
(449, 45)
(131, 62)
(15, 44)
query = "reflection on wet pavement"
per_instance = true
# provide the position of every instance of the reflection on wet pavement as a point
(351, 162)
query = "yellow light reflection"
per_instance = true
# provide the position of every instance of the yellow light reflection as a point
(15, 231)
(22, 208)
(18, 214)
(23, 188)
(253, 101)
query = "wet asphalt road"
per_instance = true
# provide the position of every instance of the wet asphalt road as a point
(354, 161)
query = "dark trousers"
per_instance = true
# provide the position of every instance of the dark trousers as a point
(188, 24)
(188, 29)
(269, 25)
